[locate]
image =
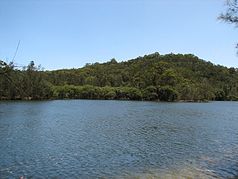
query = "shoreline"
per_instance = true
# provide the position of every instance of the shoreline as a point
(178, 101)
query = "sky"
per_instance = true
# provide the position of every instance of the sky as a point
(70, 33)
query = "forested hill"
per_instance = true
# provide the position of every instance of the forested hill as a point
(170, 77)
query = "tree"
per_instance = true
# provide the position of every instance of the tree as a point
(231, 14)
(8, 84)
(155, 77)
(167, 93)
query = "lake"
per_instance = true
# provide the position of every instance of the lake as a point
(118, 139)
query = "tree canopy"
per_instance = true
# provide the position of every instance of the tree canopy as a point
(170, 77)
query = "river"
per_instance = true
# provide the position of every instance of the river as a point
(118, 139)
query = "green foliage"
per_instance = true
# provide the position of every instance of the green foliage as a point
(93, 92)
(154, 77)
(150, 93)
(167, 93)
(110, 95)
(29, 83)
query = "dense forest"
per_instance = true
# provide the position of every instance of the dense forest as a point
(154, 77)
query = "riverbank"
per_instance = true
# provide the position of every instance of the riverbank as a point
(154, 77)
(50, 99)
(123, 99)
(151, 93)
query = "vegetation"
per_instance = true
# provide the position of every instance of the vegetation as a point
(156, 77)
(231, 14)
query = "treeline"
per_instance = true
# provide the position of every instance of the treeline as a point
(120, 93)
(170, 77)
(28, 83)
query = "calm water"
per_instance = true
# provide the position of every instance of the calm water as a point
(88, 139)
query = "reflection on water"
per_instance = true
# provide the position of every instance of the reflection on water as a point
(87, 139)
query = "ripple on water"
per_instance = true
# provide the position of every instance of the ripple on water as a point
(88, 139)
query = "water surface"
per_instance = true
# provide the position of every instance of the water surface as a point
(90, 138)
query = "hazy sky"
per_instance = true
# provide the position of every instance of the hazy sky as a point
(69, 33)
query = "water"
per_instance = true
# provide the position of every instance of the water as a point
(118, 139)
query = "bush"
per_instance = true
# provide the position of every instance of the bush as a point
(167, 93)
(150, 93)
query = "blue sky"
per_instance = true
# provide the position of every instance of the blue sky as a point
(70, 33)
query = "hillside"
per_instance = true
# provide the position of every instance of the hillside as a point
(168, 77)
